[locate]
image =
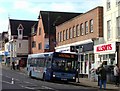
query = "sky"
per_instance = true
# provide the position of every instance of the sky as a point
(29, 9)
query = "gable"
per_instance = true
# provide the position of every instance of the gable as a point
(20, 27)
(25, 25)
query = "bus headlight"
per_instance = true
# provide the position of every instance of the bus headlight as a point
(73, 77)
(53, 75)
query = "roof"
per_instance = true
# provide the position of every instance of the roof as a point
(51, 19)
(26, 24)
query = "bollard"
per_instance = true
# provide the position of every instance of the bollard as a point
(12, 82)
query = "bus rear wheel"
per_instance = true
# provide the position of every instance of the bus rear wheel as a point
(30, 74)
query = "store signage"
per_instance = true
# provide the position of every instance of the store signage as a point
(104, 47)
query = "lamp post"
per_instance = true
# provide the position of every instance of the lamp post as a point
(78, 65)
(80, 49)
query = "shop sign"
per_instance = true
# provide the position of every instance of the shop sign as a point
(105, 48)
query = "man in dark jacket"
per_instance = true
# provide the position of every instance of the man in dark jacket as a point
(103, 77)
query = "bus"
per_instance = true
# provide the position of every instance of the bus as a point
(53, 66)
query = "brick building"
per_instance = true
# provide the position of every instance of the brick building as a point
(81, 32)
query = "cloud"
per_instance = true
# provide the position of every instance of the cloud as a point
(21, 4)
(66, 7)
(3, 25)
(2, 10)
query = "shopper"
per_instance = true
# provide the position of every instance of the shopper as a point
(103, 77)
(116, 75)
(97, 72)
(13, 65)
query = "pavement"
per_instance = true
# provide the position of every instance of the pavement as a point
(88, 83)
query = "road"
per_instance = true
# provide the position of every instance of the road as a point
(18, 81)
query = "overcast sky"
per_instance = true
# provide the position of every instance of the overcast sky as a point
(29, 9)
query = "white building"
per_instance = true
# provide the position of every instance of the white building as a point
(108, 51)
(18, 33)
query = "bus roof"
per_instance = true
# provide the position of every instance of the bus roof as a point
(46, 54)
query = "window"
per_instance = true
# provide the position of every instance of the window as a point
(108, 4)
(19, 45)
(33, 44)
(81, 29)
(91, 25)
(20, 32)
(60, 36)
(74, 32)
(33, 30)
(117, 2)
(118, 26)
(64, 36)
(78, 30)
(67, 37)
(108, 29)
(39, 30)
(70, 33)
(40, 46)
(86, 27)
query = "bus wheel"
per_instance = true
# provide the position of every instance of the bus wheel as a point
(30, 74)
(44, 77)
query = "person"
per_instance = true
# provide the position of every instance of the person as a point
(103, 77)
(116, 75)
(97, 72)
(13, 65)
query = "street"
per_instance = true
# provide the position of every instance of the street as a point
(18, 81)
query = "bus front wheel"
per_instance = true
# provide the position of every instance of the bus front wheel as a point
(44, 77)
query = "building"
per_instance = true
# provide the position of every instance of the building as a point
(44, 39)
(108, 51)
(3, 40)
(18, 35)
(80, 33)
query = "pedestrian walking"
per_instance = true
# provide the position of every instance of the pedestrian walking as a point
(103, 77)
(97, 72)
(116, 75)
(13, 65)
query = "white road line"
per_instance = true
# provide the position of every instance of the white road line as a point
(47, 87)
(5, 82)
(28, 82)
(26, 87)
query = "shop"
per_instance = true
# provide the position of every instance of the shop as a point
(105, 53)
(86, 58)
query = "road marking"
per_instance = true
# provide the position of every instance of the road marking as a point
(26, 87)
(5, 82)
(47, 87)
(28, 82)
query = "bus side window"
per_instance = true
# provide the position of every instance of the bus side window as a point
(48, 63)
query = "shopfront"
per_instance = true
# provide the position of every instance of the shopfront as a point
(105, 53)
(86, 58)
